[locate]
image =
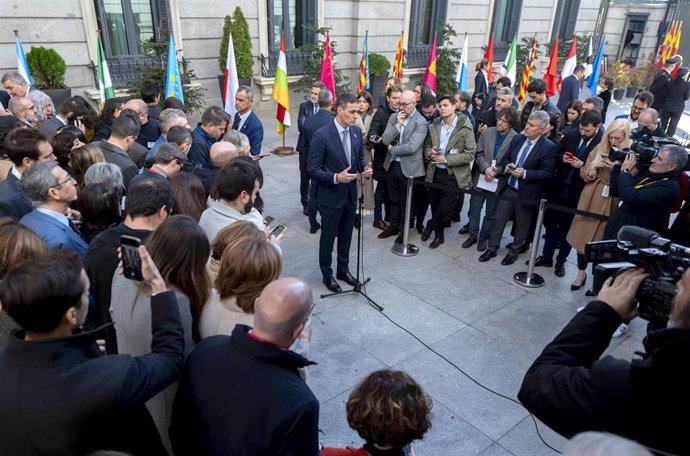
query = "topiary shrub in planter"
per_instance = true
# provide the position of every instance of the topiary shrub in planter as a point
(48, 70)
(238, 27)
(379, 66)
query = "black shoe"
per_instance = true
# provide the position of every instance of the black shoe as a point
(420, 228)
(347, 278)
(331, 284)
(590, 293)
(482, 245)
(509, 259)
(388, 233)
(465, 228)
(560, 269)
(380, 224)
(358, 221)
(541, 262)
(399, 239)
(486, 256)
(425, 235)
(469, 242)
(524, 248)
(314, 229)
(435, 243)
(305, 211)
(575, 287)
(455, 217)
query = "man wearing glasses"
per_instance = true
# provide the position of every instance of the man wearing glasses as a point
(167, 162)
(23, 109)
(52, 190)
(642, 101)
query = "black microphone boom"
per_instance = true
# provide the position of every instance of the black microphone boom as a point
(643, 238)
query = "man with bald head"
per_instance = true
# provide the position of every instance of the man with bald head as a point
(23, 109)
(242, 394)
(649, 124)
(149, 133)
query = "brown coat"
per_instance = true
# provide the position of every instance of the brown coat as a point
(584, 229)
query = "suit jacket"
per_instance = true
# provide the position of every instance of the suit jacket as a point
(410, 147)
(570, 90)
(540, 167)
(13, 201)
(659, 88)
(51, 126)
(327, 158)
(119, 157)
(253, 128)
(485, 151)
(55, 234)
(548, 106)
(313, 124)
(480, 85)
(568, 185)
(678, 93)
(306, 109)
(4, 98)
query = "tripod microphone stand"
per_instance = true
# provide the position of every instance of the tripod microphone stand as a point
(359, 286)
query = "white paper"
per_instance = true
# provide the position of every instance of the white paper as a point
(488, 186)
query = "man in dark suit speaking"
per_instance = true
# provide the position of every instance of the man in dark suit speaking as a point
(336, 155)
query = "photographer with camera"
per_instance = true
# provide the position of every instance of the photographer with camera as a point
(649, 125)
(571, 389)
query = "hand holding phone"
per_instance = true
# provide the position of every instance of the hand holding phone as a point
(278, 230)
(131, 262)
(268, 220)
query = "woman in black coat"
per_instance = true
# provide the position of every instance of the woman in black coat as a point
(481, 80)
(678, 94)
(111, 110)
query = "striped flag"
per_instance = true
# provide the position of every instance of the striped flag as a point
(461, 75)
(663, 49)
(593, 80)
(280, 89)
(529, 66)
(173, 82)
(570, 62)
(230, 83)
(105, 84)
(327, 75)
(510, 62)
(587, 59)
(397, 69)
(430, 75)
(364, 67)
(22, 66)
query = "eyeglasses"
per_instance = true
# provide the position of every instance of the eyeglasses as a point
(405, 104)
(60, 184)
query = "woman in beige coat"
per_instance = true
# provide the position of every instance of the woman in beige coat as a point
(595, 196)
(365, 113)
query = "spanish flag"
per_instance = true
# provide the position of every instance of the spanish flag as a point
(430, 75)
(364, 67)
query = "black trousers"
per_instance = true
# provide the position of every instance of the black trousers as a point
(336, 223)
(396, 183)
(421, 199)
(303, 179)
(506, 209)
(442, 201)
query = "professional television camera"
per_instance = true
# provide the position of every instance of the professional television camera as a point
(644, 146)
(640, 248)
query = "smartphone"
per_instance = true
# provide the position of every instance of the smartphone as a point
(605, 156)
(510, 165)
(131, 262)
(375, 139)
(268, 220)
(278, 230)
(568, 155)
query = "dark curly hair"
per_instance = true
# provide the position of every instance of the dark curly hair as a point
(389, 408)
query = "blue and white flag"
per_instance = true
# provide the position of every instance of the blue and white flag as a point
(461, 75)
(173, 83)
(22, 66)
(593, 80)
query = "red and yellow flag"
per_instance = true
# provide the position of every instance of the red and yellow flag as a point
(397, 69)
(529, 66)
(363, 83)
(280, 90)
(327, 76)
(489, 54)
(666, 46)
(430, 75)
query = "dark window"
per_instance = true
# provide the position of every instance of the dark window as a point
(505, 23)
(566, 17)
(295, 18)
(632, 38)
(426, 18)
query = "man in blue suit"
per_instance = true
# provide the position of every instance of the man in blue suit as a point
(246, 121)
(570, 88)
(529, 165)
(336, 155)
(52, 190)
(306, 109)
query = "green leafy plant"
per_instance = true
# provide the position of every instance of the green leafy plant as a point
(447, 58)
(643, 73)
(223, 51)
(312, 63)
(621, 73)
(378, 65)
(582, 43)
(238, 27)
(158, 51)
(47, 68)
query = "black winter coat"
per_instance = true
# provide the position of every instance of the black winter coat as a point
(377, 127)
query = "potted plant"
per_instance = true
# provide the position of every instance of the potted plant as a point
(379, 66)
(48, 69)
(238, 27)
(621, 73)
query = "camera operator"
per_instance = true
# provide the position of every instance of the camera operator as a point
(571, 389)
(647, 195)
(648, 124)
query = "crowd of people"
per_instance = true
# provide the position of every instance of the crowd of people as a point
(96, 361)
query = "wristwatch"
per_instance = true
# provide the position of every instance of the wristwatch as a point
(626, 171)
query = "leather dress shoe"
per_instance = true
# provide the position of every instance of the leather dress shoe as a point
(420, 228)
(358, 221)
(487, 255)
(455, 217)
(560, 268)
(590, 293)
(465, 228)
(399, 239)
(380, 224)
(482, 245)
(524, 248)
(575, 287)
(388, 233)
(331, 284)
(305, 211)
(347, 278)
(469, 242)
(425, 235)
(314, 229)
(509, 259)
(435, 243)
(541, 262)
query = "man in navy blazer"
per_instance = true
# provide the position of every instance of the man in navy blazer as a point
(336, 155)
(246, 121)
(52, 190)
(306, 109)
(530, 165)
(570, 88)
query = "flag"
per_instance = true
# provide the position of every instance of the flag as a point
(593, 80)
(676, 45)
(570, 62)
(22, 66)
(587, 59)
(105, 84)
(173, 83)
(364, 67)
(430, 75)
(529, 66)
(551, 75)
(665, 46)
(489, 54)
(461, 75)
(327, 75)
(230, 83)
(509, 63)
(397, 68)
(280, 89)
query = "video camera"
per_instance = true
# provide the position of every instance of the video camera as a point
(644, 146)
(640, 248)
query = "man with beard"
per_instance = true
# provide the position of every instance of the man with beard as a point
(238, 184)
(642, 101)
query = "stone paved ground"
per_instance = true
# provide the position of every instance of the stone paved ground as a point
(471, 313)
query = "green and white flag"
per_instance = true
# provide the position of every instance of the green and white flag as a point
(105, 85)
(509, 63)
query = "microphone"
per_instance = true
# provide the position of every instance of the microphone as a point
(643, 238)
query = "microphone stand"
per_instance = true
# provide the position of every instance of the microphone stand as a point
(360, 285)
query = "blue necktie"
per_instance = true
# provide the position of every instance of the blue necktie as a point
(236, 123)
(513, 180)
(581, 149)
